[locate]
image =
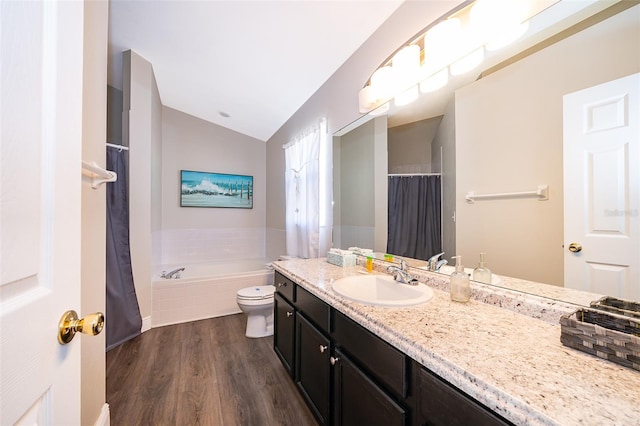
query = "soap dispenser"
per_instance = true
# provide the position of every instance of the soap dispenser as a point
(460, 288)
(482, 273)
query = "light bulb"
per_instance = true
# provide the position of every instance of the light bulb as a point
(382, 83)
(442, 44)
(366, 99)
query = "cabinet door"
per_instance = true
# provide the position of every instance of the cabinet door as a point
(359, 401)
(313, 370)
(284, 332)
(438, 403)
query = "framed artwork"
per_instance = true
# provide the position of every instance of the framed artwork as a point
(204, 189)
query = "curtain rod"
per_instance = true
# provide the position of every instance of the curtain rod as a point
(414, 174)
(120, 147)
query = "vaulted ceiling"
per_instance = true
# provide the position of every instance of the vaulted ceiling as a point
(244, 65)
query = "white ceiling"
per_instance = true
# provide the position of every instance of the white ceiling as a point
(257, 61)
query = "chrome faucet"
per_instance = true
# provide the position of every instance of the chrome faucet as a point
(173, 274)
(401, 274)
(435, 264)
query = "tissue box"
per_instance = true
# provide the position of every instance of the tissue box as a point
(343, 260)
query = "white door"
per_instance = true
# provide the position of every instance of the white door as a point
(41, 110)
(602, 188)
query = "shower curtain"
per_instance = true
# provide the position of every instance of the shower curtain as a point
(414, 221)
(123, 320)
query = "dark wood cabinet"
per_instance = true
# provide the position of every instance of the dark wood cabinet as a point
(386, 364)
(284, 329)
(358, 400)
(350, 376)
(313, 368)
(439, 403)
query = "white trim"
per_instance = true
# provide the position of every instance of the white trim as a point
(146, 324)
(104, 419)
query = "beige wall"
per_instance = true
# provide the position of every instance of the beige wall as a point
(190, 143)
(509, 138)
(410, 146)
(93, 393)
(443, 153)
(359, 158)
(142, 132)
(337, 99)
(357, 173)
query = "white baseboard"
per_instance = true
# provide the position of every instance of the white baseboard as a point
(146, 324)
(105, 416)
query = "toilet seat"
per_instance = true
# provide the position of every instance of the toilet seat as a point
(256, 293)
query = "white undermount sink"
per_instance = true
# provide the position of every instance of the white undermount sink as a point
(381, 290)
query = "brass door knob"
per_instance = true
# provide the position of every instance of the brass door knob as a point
(575, 247)
(69, 325)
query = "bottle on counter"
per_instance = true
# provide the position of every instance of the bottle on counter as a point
(369, 263)
(460, 289)
(482, 273)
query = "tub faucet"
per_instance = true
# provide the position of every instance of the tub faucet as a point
(401, 274)
(435, 264)
(173, 274)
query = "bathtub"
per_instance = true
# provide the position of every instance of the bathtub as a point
(204, 290)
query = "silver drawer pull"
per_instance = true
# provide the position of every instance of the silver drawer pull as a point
(323, 348)
(282, 285)
(289, 314)
(333, 360)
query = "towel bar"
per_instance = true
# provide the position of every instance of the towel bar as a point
(542, 193)
(98, 174)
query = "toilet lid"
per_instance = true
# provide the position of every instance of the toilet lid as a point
(257, 292)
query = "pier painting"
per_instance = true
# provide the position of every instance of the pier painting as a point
(203, 189)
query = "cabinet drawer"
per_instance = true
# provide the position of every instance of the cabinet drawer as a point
(313, 308)
(382, 361)
(285, 286)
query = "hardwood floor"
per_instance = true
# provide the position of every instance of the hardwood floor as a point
(201, 373)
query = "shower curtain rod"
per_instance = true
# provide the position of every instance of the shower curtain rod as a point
(414, 174)
(120, 147)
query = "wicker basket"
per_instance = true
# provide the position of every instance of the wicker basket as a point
(618, 306)
(609, 336)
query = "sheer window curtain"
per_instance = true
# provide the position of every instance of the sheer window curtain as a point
(308, 193)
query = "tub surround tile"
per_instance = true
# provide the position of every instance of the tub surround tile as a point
(500, 348)
(210, 244)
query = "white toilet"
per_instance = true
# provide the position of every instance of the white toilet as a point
(257, 303)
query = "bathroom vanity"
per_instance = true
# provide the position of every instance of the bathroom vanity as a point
(436, 363)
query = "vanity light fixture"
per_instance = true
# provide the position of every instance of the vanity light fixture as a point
(453, 46)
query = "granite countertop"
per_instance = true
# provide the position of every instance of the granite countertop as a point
(506, 356)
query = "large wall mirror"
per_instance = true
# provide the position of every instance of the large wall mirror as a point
(498, 129)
